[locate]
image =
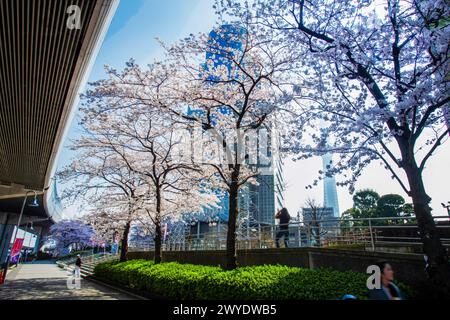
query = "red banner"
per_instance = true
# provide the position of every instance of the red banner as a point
(17, 247)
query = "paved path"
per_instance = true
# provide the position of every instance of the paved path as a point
(46, 281)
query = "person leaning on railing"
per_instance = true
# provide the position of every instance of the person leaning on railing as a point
(283, 231)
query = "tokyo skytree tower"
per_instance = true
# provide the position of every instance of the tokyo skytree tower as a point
(330, 197)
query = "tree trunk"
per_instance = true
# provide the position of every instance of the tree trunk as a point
(124, 247)
(158, 237)
(438, 266)
(158, 233)
(231, 261)
(317, 233)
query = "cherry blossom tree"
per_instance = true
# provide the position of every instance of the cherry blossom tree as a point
(106, 188)
(373, 86)
(108, 220)
(232, 95)
(229, 96)
(148, 144)
(67, 233)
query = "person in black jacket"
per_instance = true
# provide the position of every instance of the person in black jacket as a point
(78, 266)
(283, 230)
(388, 290)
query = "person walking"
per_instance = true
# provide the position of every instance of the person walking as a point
(388, 290)
(283, 230)
(78, 266)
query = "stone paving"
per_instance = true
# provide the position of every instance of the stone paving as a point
(46, 281)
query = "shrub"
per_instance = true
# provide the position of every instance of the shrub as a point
(272, 282)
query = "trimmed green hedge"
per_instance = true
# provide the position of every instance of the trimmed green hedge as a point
(272, 282)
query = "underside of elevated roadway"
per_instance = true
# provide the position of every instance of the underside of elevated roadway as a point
(47, 48)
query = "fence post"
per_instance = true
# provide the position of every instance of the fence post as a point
(272, 232)
(371, 236)
(249, 244)
(259, 235)
(218, 236)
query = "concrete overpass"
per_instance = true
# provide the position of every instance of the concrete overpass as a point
(47, 48)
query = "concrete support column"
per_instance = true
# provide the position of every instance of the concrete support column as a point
(6, 232)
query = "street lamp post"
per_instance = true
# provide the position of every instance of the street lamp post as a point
(33, 204)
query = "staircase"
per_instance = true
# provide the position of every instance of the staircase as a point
(88, 263)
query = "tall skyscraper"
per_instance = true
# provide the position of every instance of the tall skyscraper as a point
(267, 197)
(330, 197)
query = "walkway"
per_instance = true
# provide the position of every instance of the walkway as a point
(46, 281)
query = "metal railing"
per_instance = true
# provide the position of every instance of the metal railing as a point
(366, 233)
(87, 258)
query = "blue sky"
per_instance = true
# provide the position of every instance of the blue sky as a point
(137, 23)
(132, 34)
